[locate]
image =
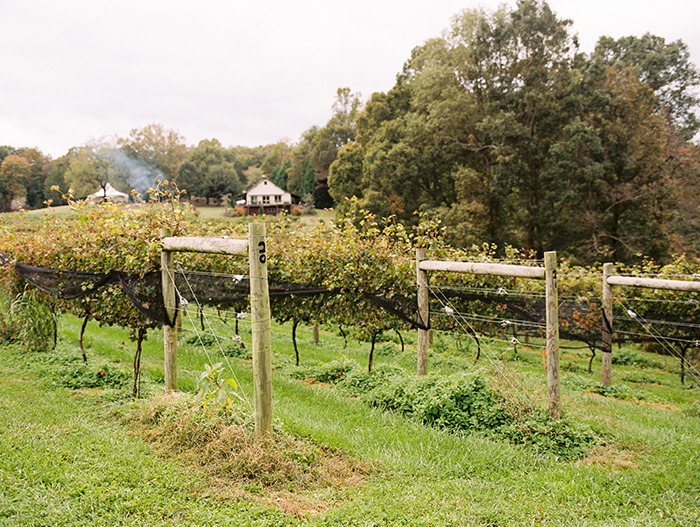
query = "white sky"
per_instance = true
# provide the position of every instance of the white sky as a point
(244, 72)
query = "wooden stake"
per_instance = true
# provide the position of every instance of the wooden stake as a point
(169, 333)
(261, 329)
(606, 345)
(423, 312)
(552, 307)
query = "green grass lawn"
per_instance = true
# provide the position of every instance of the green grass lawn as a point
(67, 458)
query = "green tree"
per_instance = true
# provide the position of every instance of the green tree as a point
(665, 68)
(15, 171)
(208, 172)
(95, 165)
(345, 177)
(300, 161)
(279, 174)
(56, 178)
(614, 163)
(41, 165)
(486, 103)
(330, 139)
(161, 149)
(279, 154)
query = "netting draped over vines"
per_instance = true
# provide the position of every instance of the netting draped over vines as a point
(104, 262)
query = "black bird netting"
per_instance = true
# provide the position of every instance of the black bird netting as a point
(579, 320)
(210, 289)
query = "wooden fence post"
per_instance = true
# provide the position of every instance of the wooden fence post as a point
(606, 344)
(261, 329)
(169, 333)
(423, 312)
(552, 308)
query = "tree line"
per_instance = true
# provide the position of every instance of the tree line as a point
(138, 162)
(507, 133)
(500, 128)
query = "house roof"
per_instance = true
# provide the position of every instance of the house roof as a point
(265, 187)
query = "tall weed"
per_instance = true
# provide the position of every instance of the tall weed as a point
(34, 320)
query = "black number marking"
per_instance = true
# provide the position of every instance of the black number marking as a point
(263, 256)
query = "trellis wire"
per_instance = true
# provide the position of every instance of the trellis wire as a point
(472, 336)
(493, 320)
(501, 291)
(211, 329)
(661, 340)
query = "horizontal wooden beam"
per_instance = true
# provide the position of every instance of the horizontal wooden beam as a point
(518, 271)
(654, 283)
(194, 244)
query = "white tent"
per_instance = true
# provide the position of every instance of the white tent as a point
(108, 192)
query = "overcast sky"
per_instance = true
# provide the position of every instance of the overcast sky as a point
(243, 72)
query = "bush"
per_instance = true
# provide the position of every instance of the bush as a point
(330, 372)
(642, 378)
(358, 381)
(70, 372)
(204, 339)
(237, 350)
(387, 349)
(458, 402)
(463, 402)
(235, 212)
(563, 437)
(626, 357)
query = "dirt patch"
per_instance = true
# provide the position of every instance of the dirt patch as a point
(611, 456)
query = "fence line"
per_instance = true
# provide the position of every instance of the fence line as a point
(548, 273)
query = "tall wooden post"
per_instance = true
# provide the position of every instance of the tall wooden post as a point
(423, 312)
(606, 345)
(552, 308)
(169, 333)
(261, 329)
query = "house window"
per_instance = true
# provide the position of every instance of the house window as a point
(253, 200)
(266, 199)
(278, 199)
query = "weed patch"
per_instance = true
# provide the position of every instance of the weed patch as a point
(626, 357)
(462, 403)
(223, 446)
(70, 371)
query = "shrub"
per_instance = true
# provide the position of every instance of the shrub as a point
(235, 212)
(359, 381)
(457, 402)
(463, 402)
(563, 437)
(642, 378)
(330, 372)
(237, 350)
(626, 357)
(203, 339)
(70, 372)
